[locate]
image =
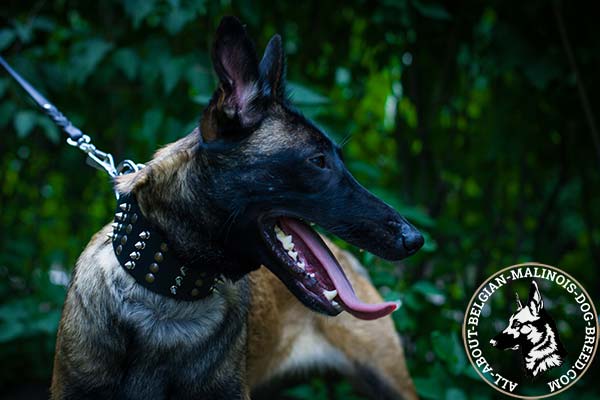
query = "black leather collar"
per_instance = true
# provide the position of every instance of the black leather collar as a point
(144, 253)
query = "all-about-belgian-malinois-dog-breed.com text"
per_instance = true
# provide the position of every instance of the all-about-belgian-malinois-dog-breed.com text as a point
(159, 309)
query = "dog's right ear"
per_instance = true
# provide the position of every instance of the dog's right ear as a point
(236, 104)
(272, 68)
(535, 302)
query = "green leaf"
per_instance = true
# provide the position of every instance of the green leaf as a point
(431, 10)
(10, 331)
(85, 56)
(7, 37)
(7, 110)
(172, 69)
(449, 348)
(138, 10)
(3, 85)
(24, 122)
(176, 20)
(455, 394)
(151, 122)
(127, 61)
(50, 129)
(428, 388)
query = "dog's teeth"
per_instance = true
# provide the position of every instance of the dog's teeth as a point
(279, 233)
(335, 304)
(312, 274)
(330, 294)
(287, 243)
(293, 254)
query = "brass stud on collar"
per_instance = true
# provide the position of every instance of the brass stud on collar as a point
(159, 256)
(154, 267)
(173, 289)
(134, 218)
(120, 216)
(145, 235)
(129, 228)
(140, 245)
(110, 235)
(198, 282)
(125, 207)
(119, 249)
(135, 255)
(195, 292)
(123, 239)
(149, 278)
(130, 264)
(116, 226)
(179, 280)
(164, 247)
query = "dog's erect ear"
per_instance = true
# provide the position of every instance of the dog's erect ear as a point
(237, 101)
(272, 68)
(535, 302)
(519, 304)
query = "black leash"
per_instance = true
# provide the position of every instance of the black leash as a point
(141, 250)
(95, 157)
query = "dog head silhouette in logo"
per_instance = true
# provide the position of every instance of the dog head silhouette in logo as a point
(533, 331)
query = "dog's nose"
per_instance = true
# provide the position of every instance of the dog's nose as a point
(493, 342)
(411, 238)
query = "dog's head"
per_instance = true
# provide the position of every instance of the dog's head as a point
(525, 325)
(265, 173)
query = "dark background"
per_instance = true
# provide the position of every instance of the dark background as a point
(476, 120)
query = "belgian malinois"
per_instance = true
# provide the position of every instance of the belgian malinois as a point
(532, 331)
(159, 309)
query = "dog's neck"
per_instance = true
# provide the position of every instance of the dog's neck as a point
(174, 200)
(146, 254)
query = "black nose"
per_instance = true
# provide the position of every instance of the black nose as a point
(411, 238)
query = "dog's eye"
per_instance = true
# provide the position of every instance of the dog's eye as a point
(517, 325)
(318, 161)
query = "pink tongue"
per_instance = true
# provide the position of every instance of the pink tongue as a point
(346, 294)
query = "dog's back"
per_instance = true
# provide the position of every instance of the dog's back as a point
(285, 339)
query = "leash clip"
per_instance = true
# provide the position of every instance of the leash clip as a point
(95, 158)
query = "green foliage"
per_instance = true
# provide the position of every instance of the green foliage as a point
(465, 119)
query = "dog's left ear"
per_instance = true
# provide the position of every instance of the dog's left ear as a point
(535, 302)
(273, 69)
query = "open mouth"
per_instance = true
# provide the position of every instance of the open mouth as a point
(313, 274)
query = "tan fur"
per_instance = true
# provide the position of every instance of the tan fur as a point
(279, 324)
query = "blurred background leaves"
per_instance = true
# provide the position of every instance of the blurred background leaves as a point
(465, 116)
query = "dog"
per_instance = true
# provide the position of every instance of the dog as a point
(369, 353)
(159, 302)
(532, 330)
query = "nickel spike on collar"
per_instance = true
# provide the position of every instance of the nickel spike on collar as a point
(145, 254)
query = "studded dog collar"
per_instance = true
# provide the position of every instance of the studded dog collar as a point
(144, 253)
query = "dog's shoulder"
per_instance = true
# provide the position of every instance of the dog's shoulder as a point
(108, 299)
